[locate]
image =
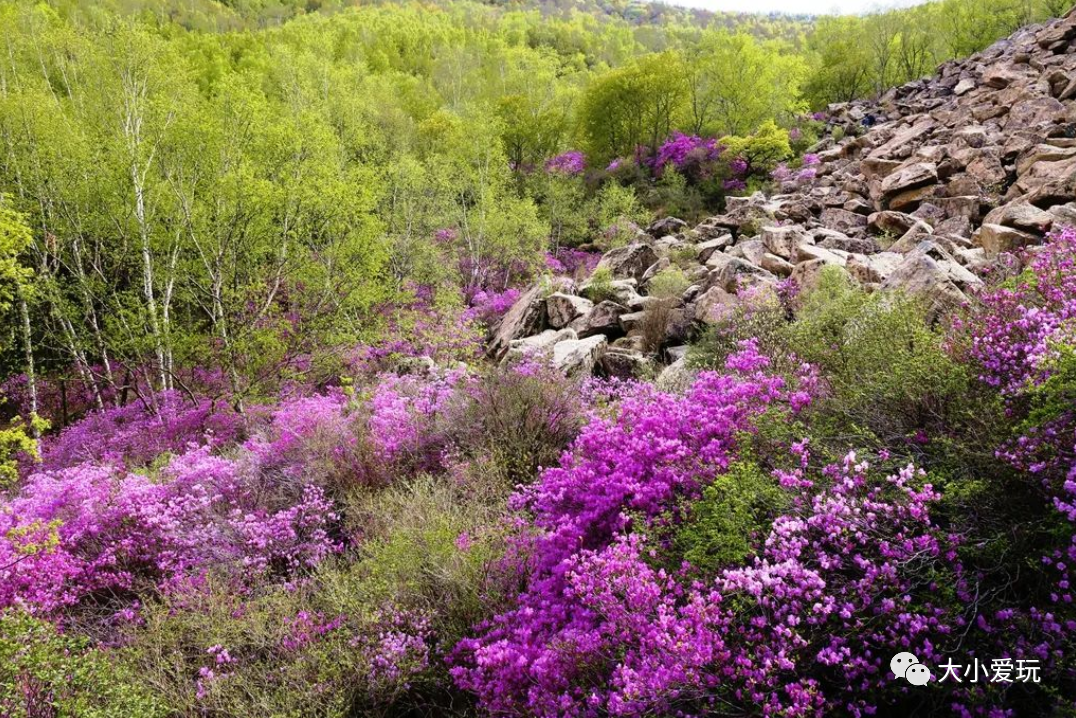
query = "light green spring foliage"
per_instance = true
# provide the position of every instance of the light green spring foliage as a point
(852, 57)
(45, 672)
(727, 520)
(763, 149)
(212, 177)
(669, 283)
(885, 368)
(15, 238)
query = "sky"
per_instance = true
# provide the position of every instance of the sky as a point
(813, 7)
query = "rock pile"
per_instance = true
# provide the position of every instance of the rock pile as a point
(920, 191)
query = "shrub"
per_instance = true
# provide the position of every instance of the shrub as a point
(665, 290)
(888, 370)
(730, 518)
(44, 672)
(518, 419)
(849, 569)
(600, 285)
(211, 650)
(98, 538)
(137, 433)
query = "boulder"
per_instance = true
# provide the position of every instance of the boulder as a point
(841, 220)
(891, 222)
(847, 244)
(666, 226)
(807, 275)
(920, 275)
(539, 344)
(734, 272)
(526, 317)
(562, 309)
(873, 268)
(675, 378)
(604, 318)
(630, 262)
(908, 177)
(623, 363)
(777, 265)
(714, 305)
(578, 357)
(996, 239)
(706, 249)
(784, 241)
(809, 253)
(1021, 215)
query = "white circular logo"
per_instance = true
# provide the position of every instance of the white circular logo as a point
(906, 665)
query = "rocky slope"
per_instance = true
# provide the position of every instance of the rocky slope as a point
(924, 189)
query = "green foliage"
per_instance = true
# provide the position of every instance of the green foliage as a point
(633, 105)
(728, 519)
(887, 368)
(736, 83)
(45, 672)
(889, 379)
(519, 422)
(17, 442)
(431, 549)
(15, 239)
(762, 150)
(855, 56)
(669, 283)
(600, 285)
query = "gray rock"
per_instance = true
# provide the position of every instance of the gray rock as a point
(562, 309)
(604, 318)
(526, 317)
(539, 344)
(629, 262)
(578, 357)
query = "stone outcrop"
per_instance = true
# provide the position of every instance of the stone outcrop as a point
(919, 192)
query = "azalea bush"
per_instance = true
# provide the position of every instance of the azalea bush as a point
(608, 624)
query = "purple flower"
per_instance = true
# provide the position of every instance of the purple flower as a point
(568, 163)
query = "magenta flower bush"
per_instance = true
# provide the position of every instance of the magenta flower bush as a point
(95, 534)
(1022, 338)
(488, 307)
(135, 434)
(568, 163)
(681, 150)
(406, 418)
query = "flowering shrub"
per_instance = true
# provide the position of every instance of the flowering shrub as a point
(572, 262)
(845, 574)
(1023, 339)
(683, 150)
(406, 416)
(488, 307)
(789, 179)
(136, 434)
(624, 473)
(87, 533)
(569, 163)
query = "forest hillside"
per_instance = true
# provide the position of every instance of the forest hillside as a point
(551, 358)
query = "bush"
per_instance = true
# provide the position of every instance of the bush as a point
(518, 419)
(600, 285)
(211, 650)
(729, 520)
(44, 672)
(665, 290)
(890, 379)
